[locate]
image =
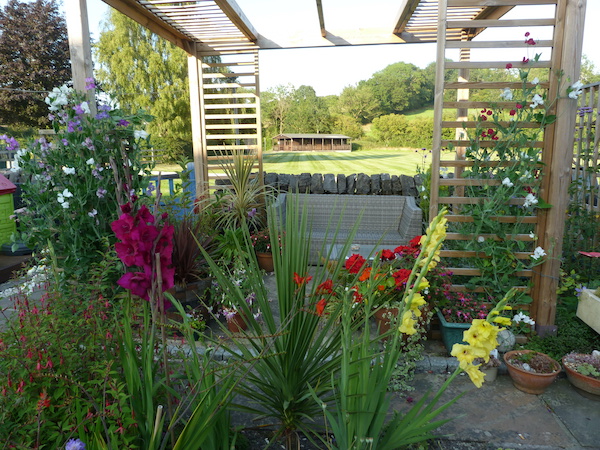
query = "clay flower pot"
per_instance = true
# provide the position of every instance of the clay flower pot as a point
(265, 261)
(527, 380)
(236, 323)
(581, 382)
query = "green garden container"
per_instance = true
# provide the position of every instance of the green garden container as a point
(452, 333)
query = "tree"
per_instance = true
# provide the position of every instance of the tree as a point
(401, 87)
(390, 129)
(358, 102)
(346, 125)
(308, 113)
(589, 74)
(275, 107)
(34, 58)
(143, 71)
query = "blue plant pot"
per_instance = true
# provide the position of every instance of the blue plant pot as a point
(452, 333)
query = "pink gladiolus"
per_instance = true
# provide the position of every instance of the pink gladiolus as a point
(122, 227)
(139, 283)
(144, 215)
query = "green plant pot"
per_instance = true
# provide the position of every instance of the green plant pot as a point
(452, 333)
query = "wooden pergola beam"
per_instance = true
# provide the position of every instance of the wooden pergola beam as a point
(407, 8)
(231, 9)
(141, 15)
(321, 18)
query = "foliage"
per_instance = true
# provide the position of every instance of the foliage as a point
(358, 102)
(69, 191)
(513, 189)
(396, 130)
(401, 87)
(140, 70)
(59, 365)
(308, 113)
(347, 126)
(261, 241)
(34, 57)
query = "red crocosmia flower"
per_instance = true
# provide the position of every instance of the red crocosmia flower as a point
(355, 263)
(365, 275)
(301, 280)
(144, 215)
(512, 112)
(122, 227)
(509, 66)
(401, 276)
(525, 59)
(320, 307)
(139, 283)
(326, 287)
(387, 255)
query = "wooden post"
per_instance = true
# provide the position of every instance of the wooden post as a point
(80, 49)
(569, 37)
(198, 123)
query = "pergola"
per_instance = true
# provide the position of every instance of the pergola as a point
(225, 91)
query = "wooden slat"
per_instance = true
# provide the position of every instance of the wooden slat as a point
(227, 85)
(463, 237)
(496, 44)
(231, 136)
(230, 126)
(502, 219)
(463, 288)
(474, 124)
(464, 163)
(473, 104)
(488, 3)
(500, 23)
(489, 144)
(475, 200)
(473, 254)
(230, 116)
(230, 105)
(492, 85)
(232, 147)
(469, 182)
(496, 64)
(229, 95)
(477, 272)
(227, 75)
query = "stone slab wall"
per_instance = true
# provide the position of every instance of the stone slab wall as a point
(354, 184)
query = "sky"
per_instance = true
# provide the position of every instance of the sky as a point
(329, 70)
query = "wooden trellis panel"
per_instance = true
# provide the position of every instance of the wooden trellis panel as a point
(227, 119)
(452, 95)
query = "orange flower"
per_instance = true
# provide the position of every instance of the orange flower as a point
(365, 275)
(321, 306)
(326, 287)
(301, 280)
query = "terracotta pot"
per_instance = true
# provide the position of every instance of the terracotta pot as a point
(530, 382)
(383, 318)
(265, 261)
(236, 323)
(582, 382)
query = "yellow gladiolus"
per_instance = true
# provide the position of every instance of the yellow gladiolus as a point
(466, 354)
(475, 374)
(408, 323)
(504, 321)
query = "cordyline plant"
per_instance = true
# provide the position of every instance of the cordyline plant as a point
(68, 186)
(514, 160)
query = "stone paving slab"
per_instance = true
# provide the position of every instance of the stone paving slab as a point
(499, 416)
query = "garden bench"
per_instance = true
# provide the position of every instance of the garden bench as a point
(387, 220)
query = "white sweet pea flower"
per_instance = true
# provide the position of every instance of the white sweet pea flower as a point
(65, 205)
(536, 100)
(480, 239)
(69, 170)
(575, 90)
(90, 161)
(85, 107)
(507, 182)
(92, 213)
(66, 193)
(532, 235)
(140, 134)
(507, 94)
(58, 97)
(536, 80)
(530, 200)
(538, 253)
(522, 317)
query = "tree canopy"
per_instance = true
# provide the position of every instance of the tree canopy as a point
(143, 71)
(34, 58)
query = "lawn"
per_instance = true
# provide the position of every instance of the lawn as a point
(393, 161)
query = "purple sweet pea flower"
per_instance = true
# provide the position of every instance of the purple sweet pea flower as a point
(122, 123)
(89, 84)
(75, 444)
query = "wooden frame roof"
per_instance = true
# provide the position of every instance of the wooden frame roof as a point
(221, 27)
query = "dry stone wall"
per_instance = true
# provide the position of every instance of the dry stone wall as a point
(354, 184)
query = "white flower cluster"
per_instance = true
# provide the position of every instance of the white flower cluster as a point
(536, 100)
(538, 253)
(530, 200)
(575, 90)
(35, 277)
(506, 182)
(506, 94)
(523, 318)
(62, 196)
(58, 97)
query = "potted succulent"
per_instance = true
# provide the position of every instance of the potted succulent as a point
(583, 371)
(531, 372)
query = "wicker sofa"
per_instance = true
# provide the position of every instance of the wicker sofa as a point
(388, 220)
